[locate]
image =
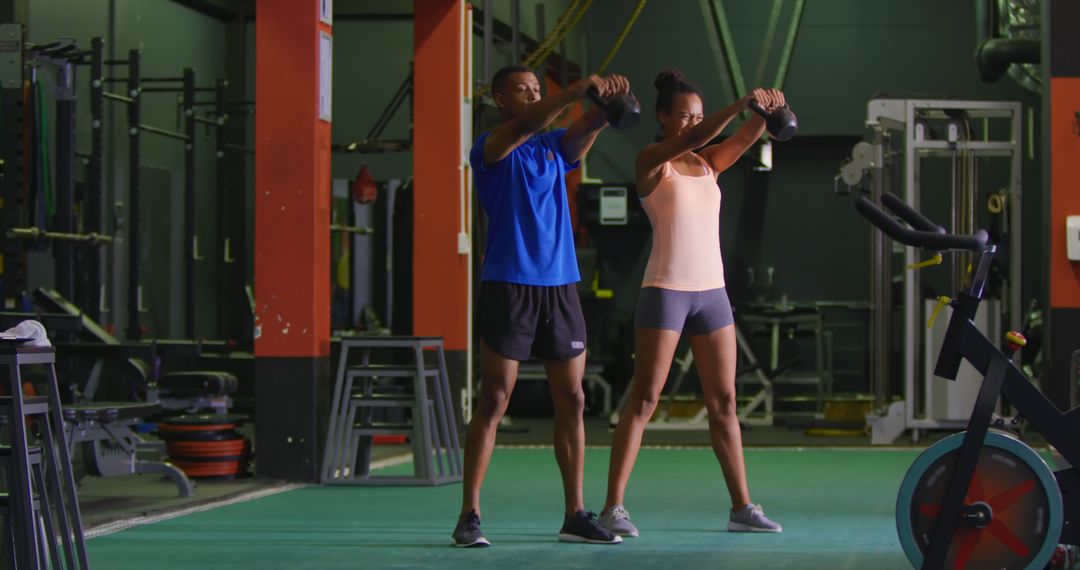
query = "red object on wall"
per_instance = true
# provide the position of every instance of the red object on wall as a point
(364, 189)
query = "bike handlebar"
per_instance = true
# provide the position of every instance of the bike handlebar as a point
(913, 217)
(928, 235)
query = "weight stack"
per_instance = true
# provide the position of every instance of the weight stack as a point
(207, 446)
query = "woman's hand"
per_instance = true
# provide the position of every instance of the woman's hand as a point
(768, 99)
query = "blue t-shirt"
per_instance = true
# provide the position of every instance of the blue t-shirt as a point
(530, 238)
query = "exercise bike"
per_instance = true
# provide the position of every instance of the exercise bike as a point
(981, 498)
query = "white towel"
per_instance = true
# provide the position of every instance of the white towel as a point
(32, 330)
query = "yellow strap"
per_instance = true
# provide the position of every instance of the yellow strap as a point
(936, 260)
(343, 270)
(566, 21)
(941, 302)
(619, 40)
(600, 293)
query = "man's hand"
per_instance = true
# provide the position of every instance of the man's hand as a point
(617, 85)
(581, 135)
(604, 86)
(583, 85)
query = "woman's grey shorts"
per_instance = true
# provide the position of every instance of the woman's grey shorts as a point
(693, 312)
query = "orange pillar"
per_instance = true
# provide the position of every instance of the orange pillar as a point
(292, 235)
(1062, 99)
(442, 181)
(1064, 185)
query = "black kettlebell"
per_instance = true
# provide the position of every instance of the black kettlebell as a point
(781, 123)
(622, 111)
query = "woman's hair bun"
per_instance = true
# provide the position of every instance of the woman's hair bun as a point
(668, 78)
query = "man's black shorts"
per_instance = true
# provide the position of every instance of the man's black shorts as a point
(523, 321)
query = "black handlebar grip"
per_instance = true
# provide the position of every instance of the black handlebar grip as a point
(909, 214)
(880, 219)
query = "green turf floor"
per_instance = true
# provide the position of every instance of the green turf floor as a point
(836, 507)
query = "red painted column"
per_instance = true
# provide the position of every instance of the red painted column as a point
(1064, 188)
(1062, 179)
(441, 179)
(292, 237)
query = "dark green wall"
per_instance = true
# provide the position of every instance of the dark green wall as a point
(847, 52)
(371, 59)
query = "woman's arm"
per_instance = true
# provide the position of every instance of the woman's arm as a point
(721, 156)
(652, 157)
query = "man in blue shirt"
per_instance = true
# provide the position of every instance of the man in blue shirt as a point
(528, 299)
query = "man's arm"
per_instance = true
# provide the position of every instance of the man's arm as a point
(582, 133)
(509, 135)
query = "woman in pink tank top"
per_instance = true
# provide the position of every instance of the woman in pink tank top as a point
(683, 289)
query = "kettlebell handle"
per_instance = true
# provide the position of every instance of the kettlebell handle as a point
(781, 123)
(595, 97)
(622, 111)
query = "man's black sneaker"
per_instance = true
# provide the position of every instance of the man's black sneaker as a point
(583, 526)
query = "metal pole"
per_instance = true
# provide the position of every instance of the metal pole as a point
(391, 195)
(1015, 222)
(64, 221)
(112, 174)
(770, 32)
(35, 233)
(224, 228)
(118, 97)
(912, 332)
(94, 204)
(789, 44)
(881, 278)
(728, 59)
(955, 209)
(12, 253)
(134, 293)
(163, 132)
(191, 238)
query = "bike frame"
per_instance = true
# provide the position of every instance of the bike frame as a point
(964, 341)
